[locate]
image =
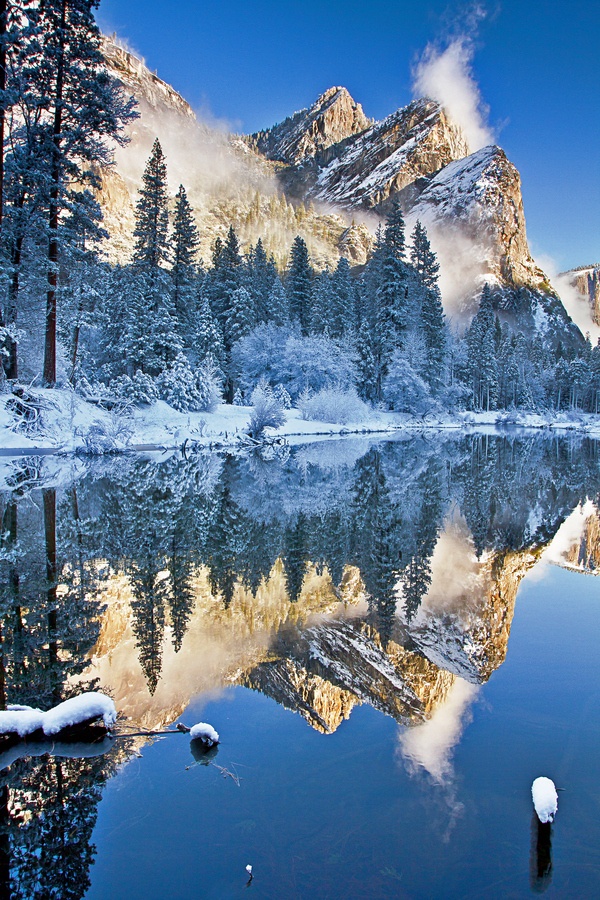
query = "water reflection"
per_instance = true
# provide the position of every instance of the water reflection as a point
(344, 574)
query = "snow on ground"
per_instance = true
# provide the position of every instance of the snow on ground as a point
(68, 423)
(24, 720)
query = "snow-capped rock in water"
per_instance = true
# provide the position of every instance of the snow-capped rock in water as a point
(25, 720)
(545, 799)
(205, 733)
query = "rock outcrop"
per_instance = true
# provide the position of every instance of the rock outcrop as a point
(587, 281)
(391, 155)
(333, 117)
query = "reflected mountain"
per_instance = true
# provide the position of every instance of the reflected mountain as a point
(347, 573)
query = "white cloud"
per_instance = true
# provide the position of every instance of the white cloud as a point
(447, 76)
(429, 746)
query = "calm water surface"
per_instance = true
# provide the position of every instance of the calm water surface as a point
(392, 639)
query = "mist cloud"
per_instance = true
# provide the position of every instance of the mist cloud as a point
(577, 305)
(446, 76)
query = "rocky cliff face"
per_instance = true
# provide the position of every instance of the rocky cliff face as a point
(228, 182)
(333, 117)
(587, 281)
(391, 155)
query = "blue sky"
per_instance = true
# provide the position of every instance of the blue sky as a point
(536, 65)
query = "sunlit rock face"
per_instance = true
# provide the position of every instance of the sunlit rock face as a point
(577, 543)
(227, 182)
(463, 624)
(332, 118)
(587, 282)
(332, 156)
(410, 144)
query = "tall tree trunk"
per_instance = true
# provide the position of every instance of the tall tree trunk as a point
(49, 498)
(49, 376)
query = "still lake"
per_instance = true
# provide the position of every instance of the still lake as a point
(392, 638)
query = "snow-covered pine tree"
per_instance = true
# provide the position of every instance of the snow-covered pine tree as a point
(278, 303)
(184, 250)
(481, 354)
(80, 115)
(153, 327)
(151, 249)
(261, 276)
(341, 320)
(433, 324)
(299, 284)
(207, 334)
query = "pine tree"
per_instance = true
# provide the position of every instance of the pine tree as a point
(481, 354)
(342, 300)
(299, 284)
(151, 249)
(427, 267)
(83, 112)
(184, 242)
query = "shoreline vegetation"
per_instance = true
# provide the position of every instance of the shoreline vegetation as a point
(67, 424)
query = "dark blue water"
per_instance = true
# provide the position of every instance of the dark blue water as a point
(339, 816)
(369, 628)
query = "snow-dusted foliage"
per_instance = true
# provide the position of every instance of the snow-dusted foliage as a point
(283, 396)
(140, 389)
(267, 410)
(208, 385)
(335, 405)
(288, 359)
(177, 385)
(185, 389)
(404, 390)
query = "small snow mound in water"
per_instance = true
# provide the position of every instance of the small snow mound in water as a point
(205, 733)
(24, 720)
(545, 799)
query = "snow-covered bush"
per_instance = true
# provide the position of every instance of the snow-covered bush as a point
(284, 357)
(280, 393)
(267, 411)
(404, 390)
(140, 389)
(238, 399)
(208, 385)
(336, 405)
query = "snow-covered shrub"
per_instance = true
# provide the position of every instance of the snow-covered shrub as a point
(284, 357)
(267, 411)
(455, 396)
(208, 385)
(404, 390)
(336, 405)
(280, 393)
(238, 399)
(140, 389)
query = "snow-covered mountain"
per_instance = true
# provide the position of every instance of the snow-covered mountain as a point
(328, 173)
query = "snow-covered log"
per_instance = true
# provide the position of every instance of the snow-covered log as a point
(72, 716)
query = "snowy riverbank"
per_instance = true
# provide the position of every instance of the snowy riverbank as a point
(68, 424)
